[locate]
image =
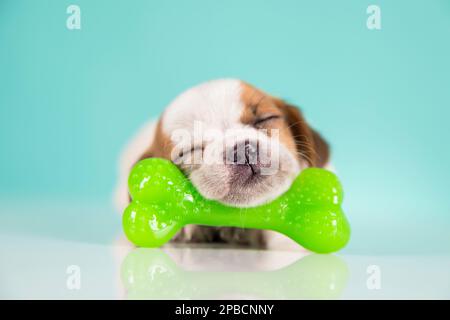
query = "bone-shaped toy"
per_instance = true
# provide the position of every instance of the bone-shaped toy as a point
(164, 201)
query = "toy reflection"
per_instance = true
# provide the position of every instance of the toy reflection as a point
(152, 274)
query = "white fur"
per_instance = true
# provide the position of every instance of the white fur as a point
(215, 103)
(216, 106)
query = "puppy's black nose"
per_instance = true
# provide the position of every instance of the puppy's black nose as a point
(244, 158)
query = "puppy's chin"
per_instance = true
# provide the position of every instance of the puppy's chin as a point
(232, 187)
(260, 190)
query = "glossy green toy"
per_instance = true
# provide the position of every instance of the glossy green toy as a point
(164, 201)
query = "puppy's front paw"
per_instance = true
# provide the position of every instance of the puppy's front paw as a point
(196, 234)
(227, 235)
(243, 237)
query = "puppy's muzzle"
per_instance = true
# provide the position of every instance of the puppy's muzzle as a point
(243, 159)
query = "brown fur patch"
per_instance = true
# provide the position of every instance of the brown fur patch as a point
(294, 131)
(161, 147)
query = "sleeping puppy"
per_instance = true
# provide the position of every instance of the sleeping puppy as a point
(237, 144)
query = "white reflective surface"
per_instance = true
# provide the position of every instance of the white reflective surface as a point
(34, 267)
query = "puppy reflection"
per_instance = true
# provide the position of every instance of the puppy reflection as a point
(151, 274)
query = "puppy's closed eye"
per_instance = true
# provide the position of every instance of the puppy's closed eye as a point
(183, 153)
(265, 119)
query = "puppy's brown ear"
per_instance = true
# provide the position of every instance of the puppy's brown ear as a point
(322, 149)
(310, 144)
(159, 146)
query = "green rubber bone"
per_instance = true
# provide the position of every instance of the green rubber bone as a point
(164, 201)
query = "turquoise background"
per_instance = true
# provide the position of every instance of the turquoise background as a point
(69, 100)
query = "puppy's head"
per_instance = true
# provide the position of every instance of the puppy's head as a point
(237, 144)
